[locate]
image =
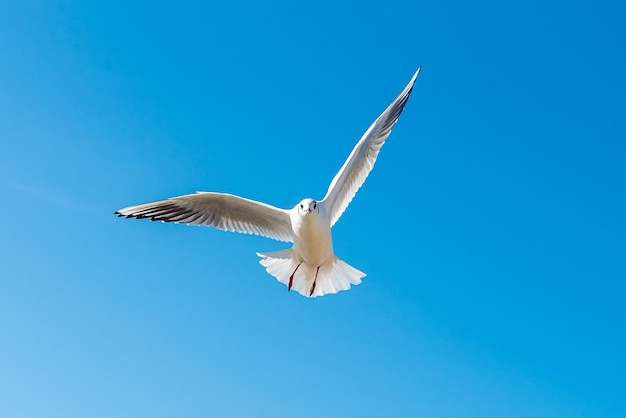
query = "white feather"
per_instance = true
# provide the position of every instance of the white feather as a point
(334, 276)
(222, 211)
(361, 160)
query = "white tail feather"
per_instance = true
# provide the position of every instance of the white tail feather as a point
(334, 276)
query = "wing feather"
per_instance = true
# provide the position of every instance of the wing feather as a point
(219, 210)
(362, 158)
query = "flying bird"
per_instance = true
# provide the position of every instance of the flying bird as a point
(310, 266)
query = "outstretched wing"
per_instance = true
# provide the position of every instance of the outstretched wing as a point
(222, 211)
(361, 161)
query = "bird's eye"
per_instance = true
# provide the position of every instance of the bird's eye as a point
(314, 205)
(301, 207)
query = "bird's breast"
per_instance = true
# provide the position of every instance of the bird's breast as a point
(313, 240)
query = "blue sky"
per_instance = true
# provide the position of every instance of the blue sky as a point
(491, 229)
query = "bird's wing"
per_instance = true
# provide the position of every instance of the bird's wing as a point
(362, 158)
(222, 211)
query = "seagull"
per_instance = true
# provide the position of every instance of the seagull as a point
(310, 266)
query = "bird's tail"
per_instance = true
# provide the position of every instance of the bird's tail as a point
(333, 276)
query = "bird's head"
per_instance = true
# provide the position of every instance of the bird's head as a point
(307, 206)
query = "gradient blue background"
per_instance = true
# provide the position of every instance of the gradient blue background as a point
(492, 228)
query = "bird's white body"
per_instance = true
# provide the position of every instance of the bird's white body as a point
(313, 242)
(310, 266)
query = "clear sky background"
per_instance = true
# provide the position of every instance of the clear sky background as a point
(492, 228)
